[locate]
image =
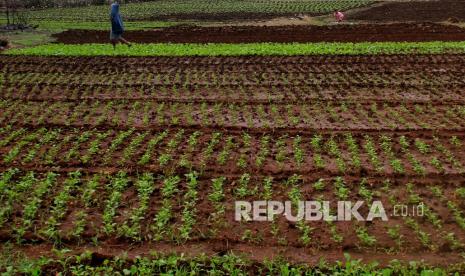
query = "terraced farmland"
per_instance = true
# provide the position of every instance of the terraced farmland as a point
(151, 155)
(198, 9)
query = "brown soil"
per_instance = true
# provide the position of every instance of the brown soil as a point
(415, 96)
(431, 11)
(226, 16)
(245, 34)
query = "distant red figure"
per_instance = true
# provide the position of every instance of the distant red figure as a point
(339, 16)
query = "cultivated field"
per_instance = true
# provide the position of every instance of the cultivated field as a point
(133, 163)
(154, 153)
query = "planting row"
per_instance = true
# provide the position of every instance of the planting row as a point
(314, 116)
(245, 49)
(220, 77)
(239, 80)
(84, 208)
(223, 152)
(313, 63)
(231, 93)
(197, 9)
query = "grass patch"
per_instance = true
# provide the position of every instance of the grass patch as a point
(27, 38)
(221, 49)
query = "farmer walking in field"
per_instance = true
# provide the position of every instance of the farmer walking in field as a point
(339, 16)
(117, 28)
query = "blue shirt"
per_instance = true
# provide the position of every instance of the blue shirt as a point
(116, 20)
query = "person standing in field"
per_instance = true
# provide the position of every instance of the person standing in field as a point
(117, 27)
(339, 16)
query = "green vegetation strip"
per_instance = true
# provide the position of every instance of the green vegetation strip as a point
(229, 264)
(220, 49)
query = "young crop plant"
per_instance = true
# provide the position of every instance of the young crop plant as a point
(160, 227)
(104, 115)
(132, 227)
(334, 150)
(417, 166)
(74, 151)
(386, 146)
(394, 233)
(295, 197)
(234, 114)
(95, 146)
(422, 235)
(118, 184)
(242, 160)
(116, 143)
(365, 238)
(299, 155)
(264, 151)
(457, 213)
(132, 148)
(263, 116)
(224, 155)
(319, 185)
(250, 236)
(335, 235)
(437, 164)
(193, 141)
(365, 192)
(33, 205)
(372, 153)
(79, 224)
(51, 155)
(147, 156)
(219, 114)
(430, 215)
(281, 152)
(6, 184)
(216, 197)
(48, 137)
(12, 137)
(12, 192)
(455, 141)
(454, 242)
(341, 190)
(460, 192)
(293, 119)
(146, 118)
(448, 154)
(188, 216)
(452, 206)
(172, 145)
(267, 193)
(332, 113)
(88, 199)
(207, 153)
(26, 140)
(205, 120)
(354, 151)
(132, 115)
(315, 143)
(243, 190)
(422, 146)
(60, 206)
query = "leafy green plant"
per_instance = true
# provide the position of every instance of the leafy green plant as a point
(365, 237)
